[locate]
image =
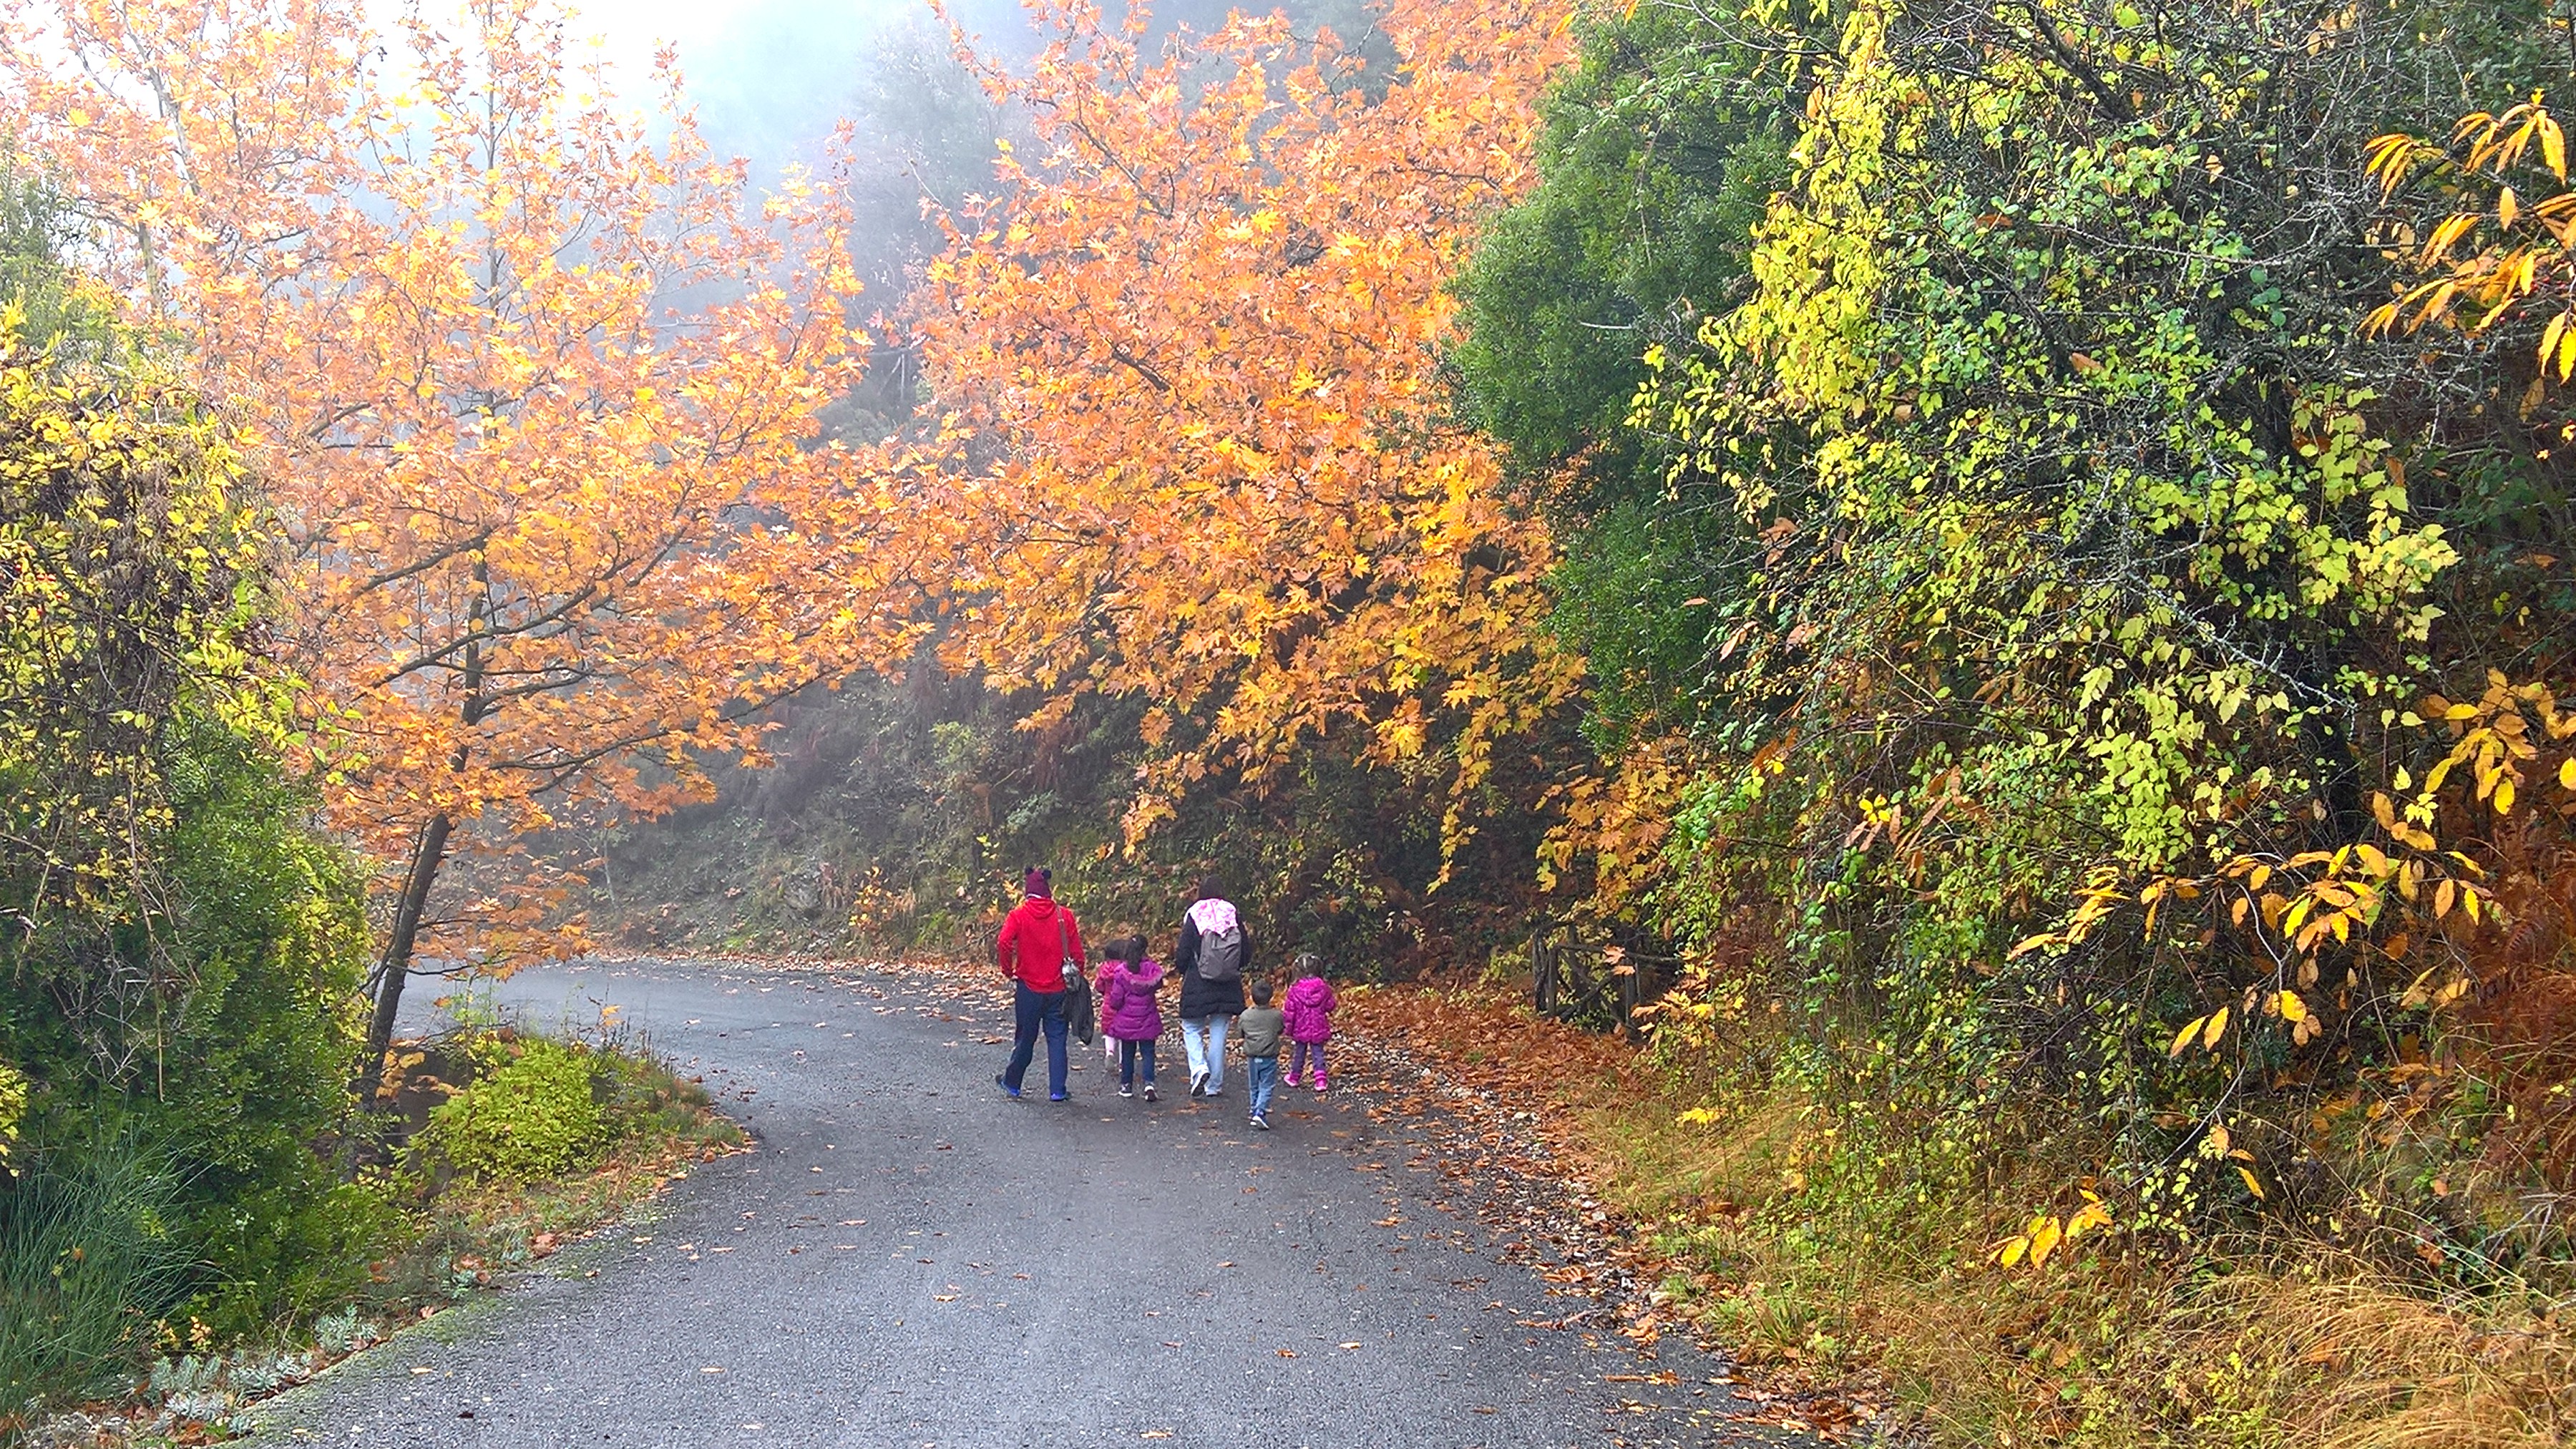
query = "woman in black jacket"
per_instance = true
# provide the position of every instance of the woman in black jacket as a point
(1213, 955)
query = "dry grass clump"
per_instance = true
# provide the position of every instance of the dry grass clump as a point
(2116, 1344)
(2389, 1370)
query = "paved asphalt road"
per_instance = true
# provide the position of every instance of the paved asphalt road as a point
(909, 1259)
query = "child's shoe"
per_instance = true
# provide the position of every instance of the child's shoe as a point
(1012, 1091)
(1260, 1121)
(1149, 1092)
(1295, 1080)
(1126, 1091)
(1319, 1083)
(1198, 1084)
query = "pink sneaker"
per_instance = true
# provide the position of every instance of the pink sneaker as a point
(1319, 1082)
(1295, 1081)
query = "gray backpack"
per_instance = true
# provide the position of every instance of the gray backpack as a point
(1221, 954)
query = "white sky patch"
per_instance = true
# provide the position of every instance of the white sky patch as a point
(769, 78)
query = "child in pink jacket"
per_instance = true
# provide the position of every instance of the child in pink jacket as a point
(1309, 1008)
(1129, 1014)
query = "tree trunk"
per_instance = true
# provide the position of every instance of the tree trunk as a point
(395, 968)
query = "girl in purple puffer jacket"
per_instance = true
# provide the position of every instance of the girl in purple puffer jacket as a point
(1129, 1014)
(1309, 1008)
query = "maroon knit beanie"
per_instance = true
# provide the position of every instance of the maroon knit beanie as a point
(1039, 883)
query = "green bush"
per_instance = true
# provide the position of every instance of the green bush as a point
(251, 1067)
(280, 1252)
(535, 1116)
(275, 936)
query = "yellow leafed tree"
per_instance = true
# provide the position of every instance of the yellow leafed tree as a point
(1193, 444)
(533, 390)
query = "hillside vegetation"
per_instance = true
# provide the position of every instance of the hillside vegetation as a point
(2071, 675)
(2006, 567)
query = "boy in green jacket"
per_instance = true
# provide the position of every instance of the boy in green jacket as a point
(1262, 1027)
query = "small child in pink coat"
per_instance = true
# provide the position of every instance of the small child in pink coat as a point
(1309, 1009)
(1129, 1014)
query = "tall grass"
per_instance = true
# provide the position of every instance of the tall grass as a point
(2262, 1341)
(86, 1264)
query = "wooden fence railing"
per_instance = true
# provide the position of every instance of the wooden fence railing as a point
(1598, 984)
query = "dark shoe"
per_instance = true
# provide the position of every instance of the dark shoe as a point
(1059, 1097)
(1014, 1092)
(1149, 1092)
(1261, 1122)
(1126, 1091)
(1198, 1084)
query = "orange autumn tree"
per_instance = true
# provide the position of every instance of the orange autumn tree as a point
(534, 393)
(1192, 446)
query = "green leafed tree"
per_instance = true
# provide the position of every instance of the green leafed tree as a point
(1662, 147)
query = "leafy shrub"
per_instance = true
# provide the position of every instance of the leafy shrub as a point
(534, 1116)
(281, 1252)
(252, 1066)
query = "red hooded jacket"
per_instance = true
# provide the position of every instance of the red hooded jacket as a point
(1036, 938)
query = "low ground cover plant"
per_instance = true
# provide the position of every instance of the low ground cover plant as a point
(531, 1111)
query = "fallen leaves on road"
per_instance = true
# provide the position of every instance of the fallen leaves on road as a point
(1499, 1089)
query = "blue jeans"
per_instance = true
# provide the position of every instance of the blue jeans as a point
(1128, 1052)
(1260, 1078)
(1205, 1041)
(1034, 1009)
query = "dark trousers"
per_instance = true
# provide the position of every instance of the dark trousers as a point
(1128, 1054)
(1297, 1061)
(1032, 1010)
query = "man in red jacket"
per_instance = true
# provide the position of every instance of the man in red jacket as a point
(1040, 942)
